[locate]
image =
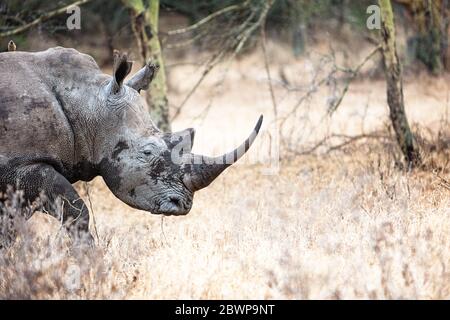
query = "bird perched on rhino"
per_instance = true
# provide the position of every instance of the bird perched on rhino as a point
(63, 120)
(11, 46)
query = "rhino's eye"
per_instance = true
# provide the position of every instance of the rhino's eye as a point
(148, 152)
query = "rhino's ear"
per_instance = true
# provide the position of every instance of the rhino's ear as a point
(181, 140)
(122, 68)
(142, 79)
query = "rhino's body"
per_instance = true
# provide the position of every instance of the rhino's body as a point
(62, 120)
(45, 110)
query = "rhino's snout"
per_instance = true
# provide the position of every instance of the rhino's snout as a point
(175, 205)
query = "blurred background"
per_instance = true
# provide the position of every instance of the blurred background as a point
(280, 55)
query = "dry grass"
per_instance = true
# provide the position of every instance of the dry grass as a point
(328, 228)
(348, 224)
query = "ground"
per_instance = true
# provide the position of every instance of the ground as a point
(342, 224)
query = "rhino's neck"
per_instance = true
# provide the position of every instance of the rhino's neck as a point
(79, 97)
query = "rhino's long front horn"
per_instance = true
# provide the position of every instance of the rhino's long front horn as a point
(200, 170)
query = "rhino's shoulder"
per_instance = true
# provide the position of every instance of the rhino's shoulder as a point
(68, 57)
(52, 63)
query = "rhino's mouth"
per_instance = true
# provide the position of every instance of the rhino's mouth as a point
(173, 205)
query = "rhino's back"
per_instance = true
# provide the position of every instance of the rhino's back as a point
(32, 118)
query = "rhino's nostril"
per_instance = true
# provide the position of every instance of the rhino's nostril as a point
(174, 205)
(176, 201)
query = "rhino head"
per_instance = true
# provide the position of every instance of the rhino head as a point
(144, 167)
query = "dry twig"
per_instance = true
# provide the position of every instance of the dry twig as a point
(238, 40)
(208, 19)
(353, 73)
(348, 140)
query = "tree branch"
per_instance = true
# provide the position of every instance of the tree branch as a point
(354, 72)
(236, 45)
(43, 18)
(347, 141)
(207, 19)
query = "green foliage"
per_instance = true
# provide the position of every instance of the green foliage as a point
(426, 50)
(356, 14)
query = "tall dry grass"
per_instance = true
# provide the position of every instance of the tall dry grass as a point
(347, 225)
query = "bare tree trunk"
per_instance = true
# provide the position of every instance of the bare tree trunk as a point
(395, 99)
(144, 21)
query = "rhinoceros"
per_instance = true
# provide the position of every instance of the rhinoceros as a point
(63, 120)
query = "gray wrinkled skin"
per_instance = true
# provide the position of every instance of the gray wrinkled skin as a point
(62, 120)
